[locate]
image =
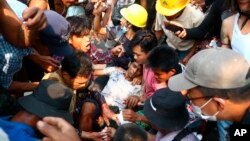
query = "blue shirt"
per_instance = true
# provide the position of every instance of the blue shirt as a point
(11, 57)
(17, 131)
(10, 61)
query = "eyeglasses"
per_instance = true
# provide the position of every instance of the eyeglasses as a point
(188, 98)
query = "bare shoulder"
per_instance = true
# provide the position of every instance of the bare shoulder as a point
(229, 22)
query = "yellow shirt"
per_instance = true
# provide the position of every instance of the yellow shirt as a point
(60, 79)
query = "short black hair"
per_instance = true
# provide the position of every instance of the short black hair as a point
(145, 38)
(236, 94)
(130, 132)
(79, 25)
(77, 64)
(163, 58)
(135, 28)
(231, 5)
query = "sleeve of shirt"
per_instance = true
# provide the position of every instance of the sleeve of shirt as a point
(197, 17)
(213, 17)
(28, 51)
(158, 22)
(109, 70)
(100, 57)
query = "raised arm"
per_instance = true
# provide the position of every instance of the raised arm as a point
(21, 34)
(213, 18)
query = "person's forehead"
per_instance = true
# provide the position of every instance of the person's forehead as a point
(194, 92)
(159, 71)
(137, 49)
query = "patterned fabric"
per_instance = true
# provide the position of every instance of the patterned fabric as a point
(98, 57)
(121, 3)
(118, 89)
(11, 61)
(82, 97)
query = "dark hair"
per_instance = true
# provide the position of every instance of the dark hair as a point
(135, 28)
(79, 26)
(237, 94)
(145, 38)
(163, 58)
(130, 132)
(234, 7)
(77, 64)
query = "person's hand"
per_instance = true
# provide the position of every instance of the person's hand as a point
(34, 18)
(57, 129)
(198, 4)
(137, 80)
(118, 51)
(181, 34)
(130, 115)
(132, 101)
(94, 136)
(48, 63)
(100, 7)
(110, 132)
(108, 114)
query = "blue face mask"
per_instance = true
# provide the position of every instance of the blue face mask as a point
(124, 29)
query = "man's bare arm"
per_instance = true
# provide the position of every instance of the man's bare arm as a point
(13, 29)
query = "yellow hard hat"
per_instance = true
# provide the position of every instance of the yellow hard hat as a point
(170, 7)
(135, 14)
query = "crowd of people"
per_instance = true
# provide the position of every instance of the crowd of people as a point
(124, 70)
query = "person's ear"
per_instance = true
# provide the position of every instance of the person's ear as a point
(172, 72)
(65, 75)
(129, 25)
(220, 102)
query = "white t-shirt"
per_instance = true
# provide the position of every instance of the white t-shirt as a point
(170, 136)
(240, 42)
(191, 17)
(118, 89)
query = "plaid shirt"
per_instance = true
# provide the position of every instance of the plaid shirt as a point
(98, 57)
(10, 61)
(121, 3)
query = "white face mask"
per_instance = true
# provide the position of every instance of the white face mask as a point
(197, 110)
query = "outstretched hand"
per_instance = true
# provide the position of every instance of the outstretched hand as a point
(57, 129)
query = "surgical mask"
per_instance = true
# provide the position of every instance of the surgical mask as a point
(124, 29)
(197, 110)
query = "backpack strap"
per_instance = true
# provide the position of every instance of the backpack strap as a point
(187, 130)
